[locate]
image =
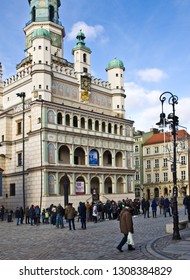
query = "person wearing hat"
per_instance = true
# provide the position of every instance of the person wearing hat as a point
(126, 226)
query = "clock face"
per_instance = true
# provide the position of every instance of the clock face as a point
(85, 83)
(42, 4)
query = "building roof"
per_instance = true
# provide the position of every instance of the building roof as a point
(81, 44)
(115, 63)
(166, 137)
(41, 32)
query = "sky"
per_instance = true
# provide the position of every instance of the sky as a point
(151, 37)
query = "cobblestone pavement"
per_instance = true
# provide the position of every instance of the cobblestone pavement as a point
(97, 242)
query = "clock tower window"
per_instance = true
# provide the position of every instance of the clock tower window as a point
(84, 57)
(51, 13)
(33, 14)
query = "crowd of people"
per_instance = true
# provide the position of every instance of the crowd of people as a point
(96, 211)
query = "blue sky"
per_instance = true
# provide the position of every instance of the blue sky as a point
(151, 37)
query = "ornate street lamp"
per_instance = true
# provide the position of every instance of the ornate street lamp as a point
(22, 95)
(172, 119)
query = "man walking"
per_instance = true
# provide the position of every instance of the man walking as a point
(126, 226)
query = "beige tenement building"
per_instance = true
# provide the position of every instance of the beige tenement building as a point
(158, 165)
(63, 135)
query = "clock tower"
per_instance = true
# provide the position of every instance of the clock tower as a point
(44, 43)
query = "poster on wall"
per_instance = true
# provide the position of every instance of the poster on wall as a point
(93, 157)
(80, 188)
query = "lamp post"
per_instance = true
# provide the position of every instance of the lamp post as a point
(66, 190)
(22, 95)
(172, 119)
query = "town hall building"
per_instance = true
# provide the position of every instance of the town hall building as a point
(63, 133)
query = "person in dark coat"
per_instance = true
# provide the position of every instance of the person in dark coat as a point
(82, 214)
(166, 206)
(142, 204)
(21, 215)
(32, 214)
(17, 216)
(188, 207)
(154, 208)
(27, 216)
(126, 226)
(59, 216)
(2, 212)
(146, 208)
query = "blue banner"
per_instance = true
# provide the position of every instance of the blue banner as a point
(93, 157)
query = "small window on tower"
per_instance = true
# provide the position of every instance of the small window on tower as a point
(84, 57)
(85, 70)
(116, 74)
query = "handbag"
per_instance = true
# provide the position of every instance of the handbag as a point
(130, 240)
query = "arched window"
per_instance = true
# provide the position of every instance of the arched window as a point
(75, 121)
(67, 119)
(90, 124)
(115, 129)
(97, 125)
(109, 127)
(103, 127)
(82, 122)
(84, 57)
(51, 13)
(121, 130)
(33, 14)
(59, 118)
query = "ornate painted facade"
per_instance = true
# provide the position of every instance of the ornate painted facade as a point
(75, 138)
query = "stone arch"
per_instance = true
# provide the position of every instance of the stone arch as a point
(79, 156)
(64, 188)
(80, 188)
(64, 154)
(107, 158)
(108, 185)
(120, 185)
(119, 159)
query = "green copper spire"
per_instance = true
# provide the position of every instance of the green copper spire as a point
(81, 44)
(115, 63)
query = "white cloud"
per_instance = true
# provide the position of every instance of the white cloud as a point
(151, 75)
(91, 32)
(144, 107)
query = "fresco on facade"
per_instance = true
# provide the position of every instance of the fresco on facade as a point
(72, 93)
(51, 117)
(51, 184)
(51, 153)
(100, 100)
(63, 90)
